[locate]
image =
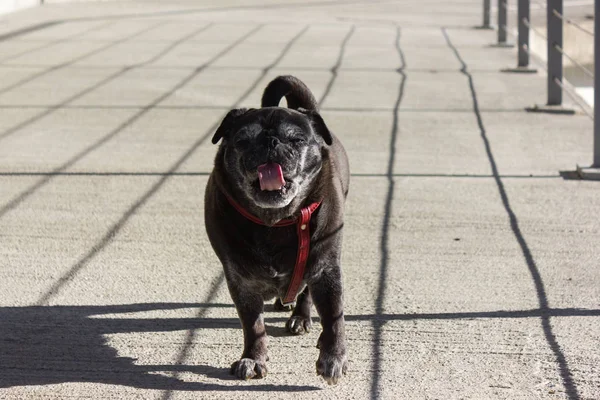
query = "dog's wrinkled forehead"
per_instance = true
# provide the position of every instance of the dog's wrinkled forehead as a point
(275, 121)
(280, 121)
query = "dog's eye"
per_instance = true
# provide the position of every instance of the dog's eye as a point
(297, 140)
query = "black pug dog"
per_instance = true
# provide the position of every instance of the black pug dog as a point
(274, 209)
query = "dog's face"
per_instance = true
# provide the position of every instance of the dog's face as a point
(272, 154)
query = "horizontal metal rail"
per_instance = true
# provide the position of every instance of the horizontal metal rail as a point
(569, 21)
(572, 23)
(534, 30)
(575, 62)
(575, 97)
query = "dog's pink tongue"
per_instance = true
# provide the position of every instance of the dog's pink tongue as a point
(270, 176)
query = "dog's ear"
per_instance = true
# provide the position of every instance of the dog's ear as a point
(227, 124)
(318, 124)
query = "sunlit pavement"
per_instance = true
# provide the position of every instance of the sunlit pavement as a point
(471, 262)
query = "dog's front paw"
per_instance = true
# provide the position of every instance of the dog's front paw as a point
(247, 368)
(332, 366)
(298, 325)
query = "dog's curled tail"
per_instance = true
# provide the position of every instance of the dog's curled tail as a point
(297, 94)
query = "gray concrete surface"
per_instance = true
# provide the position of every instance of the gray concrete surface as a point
(8, 6)
(471, 266)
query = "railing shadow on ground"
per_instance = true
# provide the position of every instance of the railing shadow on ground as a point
(534, 271)
(57, 344)
(42, 345)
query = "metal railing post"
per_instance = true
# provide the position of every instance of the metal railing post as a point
(555, 65)
(555, 84)
(524, 25)
(596, 163)
(486, 14)
(523, 15)
(487, 7)
(502, 11)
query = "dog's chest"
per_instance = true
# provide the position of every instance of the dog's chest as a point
(275, 249)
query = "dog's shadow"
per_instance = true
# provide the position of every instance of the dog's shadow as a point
(57, 344)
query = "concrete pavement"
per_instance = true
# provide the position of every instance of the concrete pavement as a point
(471, 264)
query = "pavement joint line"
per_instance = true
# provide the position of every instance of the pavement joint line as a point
(132, 119)
(268, 68)
(206, 173)
(98, 84)
(47, 45)
(113, 231)
(76, 59)
(565, 372)
(224, 107)
(253, 68)
(234, 8)
(61, 106)
(384, 238)
(32, 189)
(493, 343)
(190, 335)
(216, 41)
(78, 40)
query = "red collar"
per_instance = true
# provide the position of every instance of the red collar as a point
(303, 227)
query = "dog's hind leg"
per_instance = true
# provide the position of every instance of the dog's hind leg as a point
(300, 322)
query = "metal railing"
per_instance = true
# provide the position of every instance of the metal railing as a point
(555, 19)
